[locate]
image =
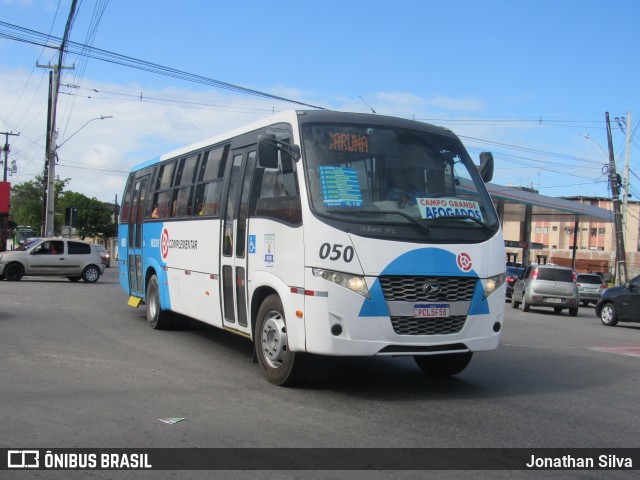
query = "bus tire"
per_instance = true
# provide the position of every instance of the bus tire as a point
(14, 272)
(158, 319)
(278, 364)
(443, 365)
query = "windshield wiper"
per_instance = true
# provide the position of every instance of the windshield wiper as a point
(379, 212)
(463, 217)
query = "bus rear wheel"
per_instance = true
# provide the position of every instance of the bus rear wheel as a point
(279, 365)
(443, 365)
(158, 319)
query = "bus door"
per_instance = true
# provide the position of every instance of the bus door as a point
(136, 220)
(233, 258)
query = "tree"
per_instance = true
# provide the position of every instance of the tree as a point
(93, 220)
(27, 200)
(93, 216)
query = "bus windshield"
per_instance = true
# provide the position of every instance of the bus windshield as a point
(387, 175)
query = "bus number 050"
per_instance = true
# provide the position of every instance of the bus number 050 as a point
(335, 252)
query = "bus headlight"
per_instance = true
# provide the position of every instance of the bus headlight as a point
(491, 284)
(354, 283)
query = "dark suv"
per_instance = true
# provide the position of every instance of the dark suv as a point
(620, 304)
(513, 273)
(547, 286)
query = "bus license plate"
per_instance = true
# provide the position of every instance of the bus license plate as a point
(431, 310)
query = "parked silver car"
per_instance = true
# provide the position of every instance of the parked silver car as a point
(547, 286)
(58, 257)
(590, 287)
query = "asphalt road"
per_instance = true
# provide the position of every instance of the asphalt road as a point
(81, 369)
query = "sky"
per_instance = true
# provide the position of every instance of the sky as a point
(528, 80)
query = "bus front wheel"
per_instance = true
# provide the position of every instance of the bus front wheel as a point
(443, 365)
(158, 319)
(279, 365)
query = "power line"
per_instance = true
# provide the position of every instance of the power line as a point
(531, 150)
(88, 166)
(140, 97)
(21, 34)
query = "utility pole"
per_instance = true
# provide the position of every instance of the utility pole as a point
(621, 257)
(6, 150)
(4, 216)
(625, 177)
(114, 242)
(50, 156)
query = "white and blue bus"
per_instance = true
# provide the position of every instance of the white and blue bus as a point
(321, 232)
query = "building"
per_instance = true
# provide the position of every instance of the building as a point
(552, 241)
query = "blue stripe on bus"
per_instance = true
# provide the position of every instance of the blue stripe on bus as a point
(416, 262)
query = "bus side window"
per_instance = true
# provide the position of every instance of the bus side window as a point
(165, 176)
(278, 195)
(208, 199)
(210, 182)
(125, 211)
(181, 203)
(161, 205)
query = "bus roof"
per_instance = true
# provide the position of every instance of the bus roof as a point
(301, 116)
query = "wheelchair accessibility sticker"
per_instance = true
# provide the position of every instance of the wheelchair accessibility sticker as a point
(269, 250)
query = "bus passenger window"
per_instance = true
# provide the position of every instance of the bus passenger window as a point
(186, 171)
(210, 178)
(161, 202)
(278, 195)
(165, 176)
(208, 199)
(213, 164)
(181, 203)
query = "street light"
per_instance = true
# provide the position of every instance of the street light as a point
(101, 117)
(50, 205)
(596, 142)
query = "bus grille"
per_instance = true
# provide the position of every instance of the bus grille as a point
(431, 326)
(412, 288)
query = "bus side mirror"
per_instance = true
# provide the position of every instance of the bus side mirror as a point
(486, 166)
(267, 151)
(268, 147)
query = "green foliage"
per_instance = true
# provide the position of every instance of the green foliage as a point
(27, 200)
(94, 216)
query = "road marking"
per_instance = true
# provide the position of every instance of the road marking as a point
(628, 351)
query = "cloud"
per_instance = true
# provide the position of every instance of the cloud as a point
(97, 154)
(436, 103)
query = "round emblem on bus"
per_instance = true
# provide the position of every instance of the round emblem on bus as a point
(464, 262)
(432, 288)
(164, 243)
